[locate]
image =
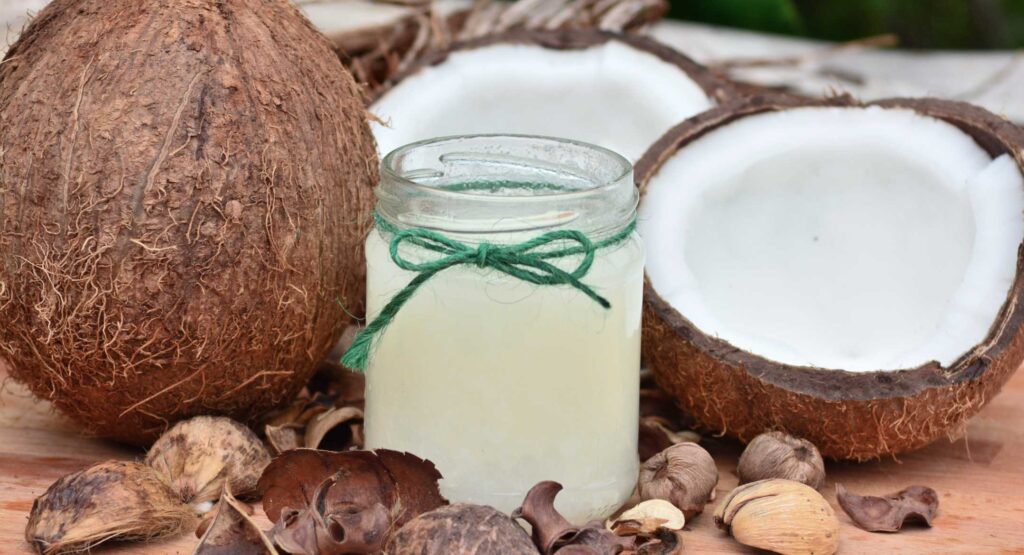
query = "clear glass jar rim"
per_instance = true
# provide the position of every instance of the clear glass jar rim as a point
(604, 201)
(387, 162)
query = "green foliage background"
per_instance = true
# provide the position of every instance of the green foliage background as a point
(933, 24)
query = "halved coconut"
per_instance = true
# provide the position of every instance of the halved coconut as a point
(849, 273)
(378, 39)
(616, 90)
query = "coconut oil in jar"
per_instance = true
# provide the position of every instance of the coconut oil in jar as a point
(501, 382)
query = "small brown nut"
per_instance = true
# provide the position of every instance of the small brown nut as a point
(683, 474)
(461, 528)
(196, 457)
(779, 515)
(109, 500)
(780, 455)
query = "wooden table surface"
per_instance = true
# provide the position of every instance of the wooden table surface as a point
(980, 481)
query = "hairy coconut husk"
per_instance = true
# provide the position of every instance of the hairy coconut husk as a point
(112, 500)
(378, 51)
(185, 190)
(847, 415)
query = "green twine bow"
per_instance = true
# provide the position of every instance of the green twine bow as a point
(525, 261)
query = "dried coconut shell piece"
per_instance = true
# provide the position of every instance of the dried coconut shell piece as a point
(198, 456)
(782, 516)
(552, 533)
(345, 387)
(780, 455)
(654, 401)
(538, 509)
(461, 528)
(300, 411)
(321, 424)
(401, 485)
(208, 518)
(662, 424)
(664, 542)
(599, 539)
(658, 433)
(282, 438)
(333, 528)
(107, 501)
(647, 518)
(285, 430)
(889, 513)
(233, 532)
(330, 418)
(578, 550)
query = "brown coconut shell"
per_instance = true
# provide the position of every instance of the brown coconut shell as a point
(714, 85)
(375, 52)
(847, 415)
(184, 190)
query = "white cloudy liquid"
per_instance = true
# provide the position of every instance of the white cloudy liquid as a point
(503, 384)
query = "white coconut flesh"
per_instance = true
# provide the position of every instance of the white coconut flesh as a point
(844, 238)
(612, 94)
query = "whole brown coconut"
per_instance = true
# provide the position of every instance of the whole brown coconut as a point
(848, 415)
(184, 188)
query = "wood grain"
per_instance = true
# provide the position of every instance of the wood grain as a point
(980, 481)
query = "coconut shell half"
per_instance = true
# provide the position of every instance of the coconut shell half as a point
(377, 40)
(848, 414)
(617, 90)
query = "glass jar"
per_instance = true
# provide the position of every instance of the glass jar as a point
(501, 382)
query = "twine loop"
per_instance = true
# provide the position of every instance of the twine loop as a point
(527, 261)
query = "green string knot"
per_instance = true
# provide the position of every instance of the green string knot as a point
(481, 254)
(527, 261)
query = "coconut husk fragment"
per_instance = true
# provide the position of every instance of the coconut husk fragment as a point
(403, 484)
